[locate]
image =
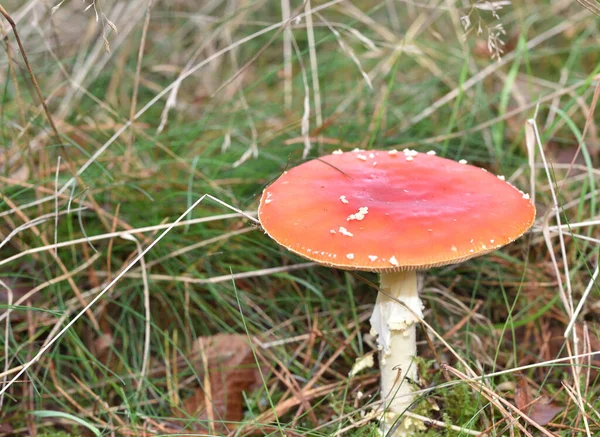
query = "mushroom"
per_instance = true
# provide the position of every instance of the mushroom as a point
(410, 212)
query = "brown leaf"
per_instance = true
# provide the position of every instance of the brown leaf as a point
(543, 411)
(229, 368)
(540, 410)
(565, 153)
(522, 395)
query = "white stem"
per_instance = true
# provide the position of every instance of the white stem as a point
(394, 325)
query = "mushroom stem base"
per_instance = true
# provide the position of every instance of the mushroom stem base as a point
(397, 310)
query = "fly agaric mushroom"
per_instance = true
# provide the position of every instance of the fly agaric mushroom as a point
(393, 213)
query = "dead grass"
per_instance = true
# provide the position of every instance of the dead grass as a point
(127, 229)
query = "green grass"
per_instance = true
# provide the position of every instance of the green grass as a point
(507, 303)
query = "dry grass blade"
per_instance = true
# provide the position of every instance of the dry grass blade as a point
(590, 5)
(31, 293)
(589, 124)
(87, 307)
(500, 403)
(217, 279)
(539, 410)
(147, 316)
(491, 68)
(192, 91)
(32, 75)
(9, 302)
(109, 235)
(229, 369)
(38, 233)
(313, 63)
(136, 86)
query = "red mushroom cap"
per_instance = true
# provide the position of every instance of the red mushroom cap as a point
(388, 210)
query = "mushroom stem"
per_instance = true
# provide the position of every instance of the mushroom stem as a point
(394, 325)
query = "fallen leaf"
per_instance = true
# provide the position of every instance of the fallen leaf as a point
(522, 396)
(541, 410)
(229, 369)
(565, 153)
(544, 411)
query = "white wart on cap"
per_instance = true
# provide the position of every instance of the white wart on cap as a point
(398, 215)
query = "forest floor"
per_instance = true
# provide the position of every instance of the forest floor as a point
(138, 295)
